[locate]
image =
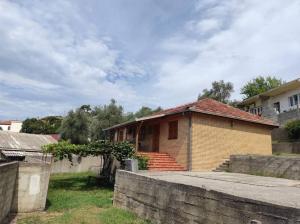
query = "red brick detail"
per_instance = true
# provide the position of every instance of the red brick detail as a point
(161, 162)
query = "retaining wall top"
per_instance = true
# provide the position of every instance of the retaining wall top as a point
(251, 187)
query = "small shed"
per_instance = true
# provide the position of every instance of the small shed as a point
(22, 146)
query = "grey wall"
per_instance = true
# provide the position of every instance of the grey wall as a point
(8, 176)
(23, 187)
(31, 187)
(279, 134)
(82, 164)
(286, 147)
(165, 202)
(275, 166)
(284, 117)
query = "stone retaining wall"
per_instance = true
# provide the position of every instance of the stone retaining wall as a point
(8, 176)
(286, 147)
(165, 202)
(274, 166)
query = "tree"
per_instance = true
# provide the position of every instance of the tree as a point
(259, 85)
(33, 126)
(46, 125)
(146, 111)
(220, 91)
(75, 126)
(104, 117)
(1, 129)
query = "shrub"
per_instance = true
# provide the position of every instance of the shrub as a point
(142, 162)
(293, 129)
(122, 151)
(106, 149)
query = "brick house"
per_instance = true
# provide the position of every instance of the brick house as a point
(198, 136)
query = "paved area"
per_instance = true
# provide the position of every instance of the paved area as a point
(275, 191)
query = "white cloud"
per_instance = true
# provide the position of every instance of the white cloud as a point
(260, 38)
(43, 51)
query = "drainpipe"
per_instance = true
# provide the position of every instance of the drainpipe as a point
(189, 143)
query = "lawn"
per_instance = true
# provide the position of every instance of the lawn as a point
(72, 200)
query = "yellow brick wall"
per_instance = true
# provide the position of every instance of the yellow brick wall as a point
(214, 139)
(177, 148)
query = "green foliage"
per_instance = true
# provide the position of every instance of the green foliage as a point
(73, 199)
(104, 117)
(142, 161)
(1, 129)
(46, 125)
(108, 150)
(293, 129)
(259, 85)
(75, 126)
(220, 91)
(146, 111)
(122, 151)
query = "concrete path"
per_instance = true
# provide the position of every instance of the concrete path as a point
(275, 191)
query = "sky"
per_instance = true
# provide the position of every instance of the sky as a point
(57, 55)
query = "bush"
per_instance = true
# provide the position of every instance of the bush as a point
(293, 129)
(142, 162)
(122, 151)
(106, 149)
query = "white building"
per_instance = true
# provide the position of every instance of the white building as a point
(11, 125)
(280, 104)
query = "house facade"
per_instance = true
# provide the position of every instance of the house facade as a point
(11, 125)
(280, 104)
(199, 136)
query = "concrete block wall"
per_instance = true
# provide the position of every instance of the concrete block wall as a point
(8, 176)
(286, 147)
(165, 202)
(31, 187)
(83, 164)
(275, 166)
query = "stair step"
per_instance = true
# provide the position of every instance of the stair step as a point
(161, 162)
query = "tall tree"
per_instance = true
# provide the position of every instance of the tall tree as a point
(146, 111)
(104, 117)
(259, 85)
(75, 126)
(220, 91)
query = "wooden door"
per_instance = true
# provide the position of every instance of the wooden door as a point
(155, 138)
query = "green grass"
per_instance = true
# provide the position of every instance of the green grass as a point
(72, 200)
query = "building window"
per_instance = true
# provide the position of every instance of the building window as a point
(256, 110)
(294, 100)
(173, 129)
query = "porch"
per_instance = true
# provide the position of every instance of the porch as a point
(156, 139)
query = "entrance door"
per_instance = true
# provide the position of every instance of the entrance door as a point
(155, 138)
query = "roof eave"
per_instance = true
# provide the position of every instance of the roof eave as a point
(272, 91)
(236, 118)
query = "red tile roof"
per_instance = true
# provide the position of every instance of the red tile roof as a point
(5, 122)
(213, 107)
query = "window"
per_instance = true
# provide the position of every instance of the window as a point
(294, 100)
(276, 107)
(173, 129)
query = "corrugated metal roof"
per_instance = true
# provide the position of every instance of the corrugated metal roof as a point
(18, 153)
(24, 142)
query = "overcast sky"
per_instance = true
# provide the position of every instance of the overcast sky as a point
(57, 55)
